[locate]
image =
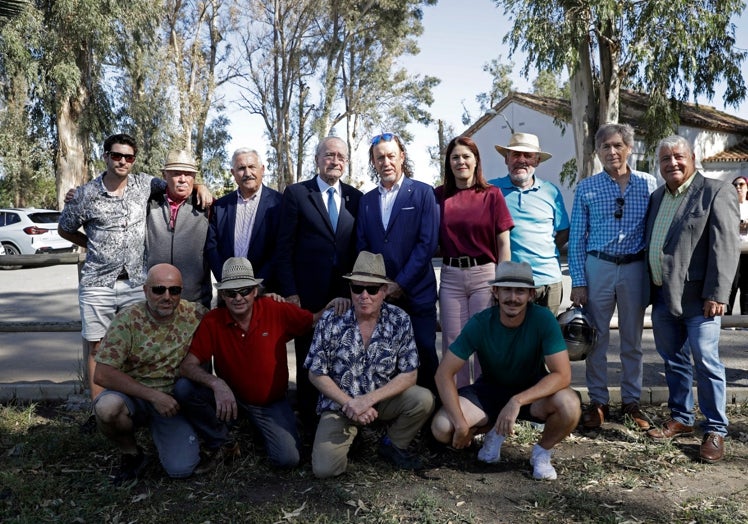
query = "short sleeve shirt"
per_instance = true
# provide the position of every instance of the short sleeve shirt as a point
(338, 352)
(115, 227)
(471, 221)
(254, 363)
(146, 350)
(512, 357)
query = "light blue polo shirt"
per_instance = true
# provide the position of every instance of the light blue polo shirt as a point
(538, 212)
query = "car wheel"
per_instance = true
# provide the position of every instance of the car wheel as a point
(10, 249)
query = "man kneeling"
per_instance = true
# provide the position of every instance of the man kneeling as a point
(515, 342)
(364, 363)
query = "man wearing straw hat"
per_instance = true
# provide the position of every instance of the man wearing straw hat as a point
(177, 226)
(247, 342)
(364, 364)
(541, 224)
(526, 374)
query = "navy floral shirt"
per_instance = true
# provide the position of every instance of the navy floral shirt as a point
(338, 351)
(115, 227)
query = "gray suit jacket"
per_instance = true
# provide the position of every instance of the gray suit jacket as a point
(702, 246)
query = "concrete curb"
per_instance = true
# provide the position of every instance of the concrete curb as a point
(61, 391)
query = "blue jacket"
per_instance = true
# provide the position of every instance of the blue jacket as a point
(219, 245)
(410, 241)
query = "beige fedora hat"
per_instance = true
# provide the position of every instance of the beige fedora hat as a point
(513, 274)
(236, 273)
(526, 143)
(180, 161)
(369, 268)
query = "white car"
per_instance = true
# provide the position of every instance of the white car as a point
(27, 231)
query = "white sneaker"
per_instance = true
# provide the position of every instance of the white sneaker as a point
(490, 453)
(541, 463)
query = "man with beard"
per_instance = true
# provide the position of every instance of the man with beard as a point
(137, 365)
(541, 224)
(245, 223)
(526, 374)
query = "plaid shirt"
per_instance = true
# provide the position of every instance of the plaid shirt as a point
(594, 226)
(115, 227)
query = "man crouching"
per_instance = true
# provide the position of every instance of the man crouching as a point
(515, 341)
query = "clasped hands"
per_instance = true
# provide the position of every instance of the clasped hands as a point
(359, 411)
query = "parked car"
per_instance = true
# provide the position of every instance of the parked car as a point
(27, 231)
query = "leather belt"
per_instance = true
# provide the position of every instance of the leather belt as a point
(618, 259)
(465, 262)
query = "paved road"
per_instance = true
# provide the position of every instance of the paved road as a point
(41, 365)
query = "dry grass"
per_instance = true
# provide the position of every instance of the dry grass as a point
(49, 472)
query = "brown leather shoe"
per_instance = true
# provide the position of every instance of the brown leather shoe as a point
(633, 411)
(594, 416)
(670, 429)
(712, 448)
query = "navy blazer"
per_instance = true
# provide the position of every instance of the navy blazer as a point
(219, 244)
(702, 246)
(410, 240)
(311, 258)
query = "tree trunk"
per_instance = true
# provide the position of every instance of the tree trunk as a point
(71, 163)
(610, 84)
(584, 113)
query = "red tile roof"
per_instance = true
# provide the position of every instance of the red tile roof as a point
(736, 153)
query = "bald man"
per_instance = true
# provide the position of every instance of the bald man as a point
(137, 365)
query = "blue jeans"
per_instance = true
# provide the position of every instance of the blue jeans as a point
(276, 422)
(678, 340)
(174, 437)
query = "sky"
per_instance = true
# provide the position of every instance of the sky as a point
(459, 37)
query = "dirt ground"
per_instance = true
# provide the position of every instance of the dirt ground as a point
(612, 475)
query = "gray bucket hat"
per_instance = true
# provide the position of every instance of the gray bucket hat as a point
(237, 272)
(513, 274)
(369, 268)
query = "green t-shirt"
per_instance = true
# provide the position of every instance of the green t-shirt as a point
(513, 357)
(148, 351)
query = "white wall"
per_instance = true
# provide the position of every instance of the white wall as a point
(524, 120)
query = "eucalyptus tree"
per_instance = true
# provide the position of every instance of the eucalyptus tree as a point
(673, 50)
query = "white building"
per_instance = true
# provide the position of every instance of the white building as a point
(720, 141)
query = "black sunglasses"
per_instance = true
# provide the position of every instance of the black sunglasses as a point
(372, 289)
(383, 137)
(160, 290)
(243, 291)
(119, 156)
(619, 208)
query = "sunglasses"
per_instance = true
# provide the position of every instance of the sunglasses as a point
(373, 289)
(386, 137)
(160, 290)
(243, 291)
(619, 208)
(119, 156)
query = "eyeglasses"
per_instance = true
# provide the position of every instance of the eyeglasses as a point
(383, 137)
(373, 289)
(114, 155)
(160, 290)
(335, 156)
(619, 208)
(244, 291)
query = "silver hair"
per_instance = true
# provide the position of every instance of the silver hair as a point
(672, 142)
(608, 130)
(326, 140)
(246, 151)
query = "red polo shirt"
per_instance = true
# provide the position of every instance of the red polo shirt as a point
(253, 363)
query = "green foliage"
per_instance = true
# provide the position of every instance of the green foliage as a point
(568, 175)
(674, 50)
(501, 83)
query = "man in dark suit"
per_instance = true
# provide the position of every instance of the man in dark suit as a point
(400, 220)
(245, 223)
(692, 250)
(313, 253)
